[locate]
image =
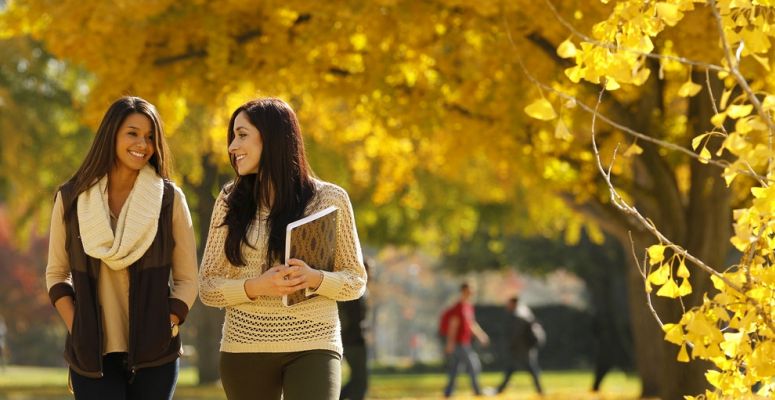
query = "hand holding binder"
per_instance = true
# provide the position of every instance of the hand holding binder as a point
(312, 239)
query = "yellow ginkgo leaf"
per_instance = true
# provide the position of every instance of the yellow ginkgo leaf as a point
(561, 131)
(682, 272)
(685, 288)
(699, 325)
(717, 283)
(731, 343)
(699, 350)
(656, 253)
(575, 73)
(541, 109)
(611, 84)
(566, 49)
(725, 98)
(713, 377)
(689, 89)
(721, 313)
(729, 176)
(737, 111)
(674, 333)
(683, 355)
(660, 275)
(759, 294)
(669, 289)
(698, 140)
(669, 13)
(760, 192)
(718, 119)
(742, 126)
(704, 155)
(768, 103)
(757, 123)
(634, 149)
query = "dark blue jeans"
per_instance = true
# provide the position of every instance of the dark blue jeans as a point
(464, 356)
(528, 361)
(117, 382)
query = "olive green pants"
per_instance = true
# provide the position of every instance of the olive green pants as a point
(303, 375)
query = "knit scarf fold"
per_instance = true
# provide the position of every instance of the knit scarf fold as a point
(136, 225)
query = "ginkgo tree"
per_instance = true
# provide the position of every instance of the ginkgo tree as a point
(423, 110)
(729, 326)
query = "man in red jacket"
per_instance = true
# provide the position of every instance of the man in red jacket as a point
(462, 328)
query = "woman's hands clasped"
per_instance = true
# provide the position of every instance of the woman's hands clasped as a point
(284, 279)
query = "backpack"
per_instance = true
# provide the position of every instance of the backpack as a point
(444, 321)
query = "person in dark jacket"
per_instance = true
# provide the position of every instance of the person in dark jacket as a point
(122, 269)
(525, 335)
(352, 315)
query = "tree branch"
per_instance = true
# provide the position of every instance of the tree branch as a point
(734, 69)
(668, 145)
(618, 201)
(618, 47)
(200, 53)
(550, 50)
(644, 273)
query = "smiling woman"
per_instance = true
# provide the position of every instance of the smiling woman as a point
(269, 350)
(120, 228)
(245, 149)
(134, 143)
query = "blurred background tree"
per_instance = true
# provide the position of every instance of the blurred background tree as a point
(41, 141)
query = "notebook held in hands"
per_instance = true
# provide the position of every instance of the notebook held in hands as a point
(311, 239)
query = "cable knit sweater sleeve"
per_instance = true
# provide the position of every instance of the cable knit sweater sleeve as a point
(348, 280)
(216, 287)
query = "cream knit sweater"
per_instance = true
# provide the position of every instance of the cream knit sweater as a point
(265, 324)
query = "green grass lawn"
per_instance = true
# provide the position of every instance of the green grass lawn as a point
(27, 383)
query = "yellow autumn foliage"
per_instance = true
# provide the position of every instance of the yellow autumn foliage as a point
(732, 329)
(426, 108)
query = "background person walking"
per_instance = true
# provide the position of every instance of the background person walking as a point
(460, 332)
(352, 315)
(525, 335)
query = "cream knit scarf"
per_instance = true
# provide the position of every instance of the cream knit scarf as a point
(136, 226)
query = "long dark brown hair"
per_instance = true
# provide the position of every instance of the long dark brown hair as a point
(101, 157)
(283, 182)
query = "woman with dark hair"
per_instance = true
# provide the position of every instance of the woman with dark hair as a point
(269, 350)
(122, 261)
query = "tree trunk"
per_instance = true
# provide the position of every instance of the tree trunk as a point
(662, 376)
(698, 221)
(646, 337)
(708, 230)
